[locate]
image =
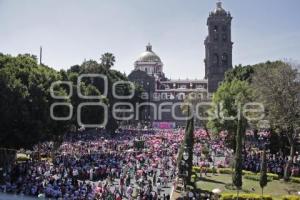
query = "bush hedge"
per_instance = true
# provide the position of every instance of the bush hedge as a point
(225, 171)
(271, 176)
(22, 157)
(230, 171)
(193, 178)
(290, 197)
(295, 180)
(245, 197)
(256, 177)
(245, 172)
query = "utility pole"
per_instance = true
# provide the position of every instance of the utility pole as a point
(41, 54)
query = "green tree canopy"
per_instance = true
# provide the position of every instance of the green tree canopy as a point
(25, 102)
(276, 86)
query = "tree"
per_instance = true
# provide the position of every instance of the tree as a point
(227, 104)
(107, 60)
(238, 162)
(242, 73)
(245, 73)
(276, 86)
(75, 69)
(239, 73)
(103, 68)
(187, 142)
(180, 153)
(263, 181)
(25, 102)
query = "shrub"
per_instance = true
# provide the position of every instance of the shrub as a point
(256, 177)
(225, 171)
(22, 157)
(196, 169)
(193, 178)
(245, 172)
(230, 171)
(251, 177)
(211, 170)
(290, 197)
(295, 180)
(226, 196)
(273, 176)
(245, 197)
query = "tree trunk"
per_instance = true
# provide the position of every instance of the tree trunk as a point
(287, 171)
(207, 132)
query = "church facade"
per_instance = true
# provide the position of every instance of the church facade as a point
(148, 68)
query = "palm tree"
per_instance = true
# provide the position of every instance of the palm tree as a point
(107, 60)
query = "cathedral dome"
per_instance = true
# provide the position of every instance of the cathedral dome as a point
(148, 55)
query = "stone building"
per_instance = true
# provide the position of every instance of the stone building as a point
(148, 69)
(218, 47)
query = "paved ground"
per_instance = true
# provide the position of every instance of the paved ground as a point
(13, 197)
(164, 190)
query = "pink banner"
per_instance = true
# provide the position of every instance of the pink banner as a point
(164, 125)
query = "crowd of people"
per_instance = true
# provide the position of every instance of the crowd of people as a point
(98, 166)
(132, 164)
(275, 162)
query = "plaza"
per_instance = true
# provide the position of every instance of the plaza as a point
(80, 126)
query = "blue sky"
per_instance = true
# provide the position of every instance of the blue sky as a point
(73, 30)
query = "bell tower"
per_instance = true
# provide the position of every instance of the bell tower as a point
(218, 47)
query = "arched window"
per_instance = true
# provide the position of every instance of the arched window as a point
(216, 59)
(224, 37)
(181, 96)
(215, 33)
(215, 28)
(224, 28)
(224, 59)
(216, 37)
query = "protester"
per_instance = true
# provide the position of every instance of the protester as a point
(99, 166)
(132, 164)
